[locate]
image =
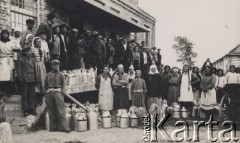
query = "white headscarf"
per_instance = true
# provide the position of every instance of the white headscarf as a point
(152, 67)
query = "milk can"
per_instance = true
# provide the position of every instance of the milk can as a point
(124, 120)
(81, 123)
(184, 112)
(69, 121)
(118, 115)
(133, 120)
(170, 110)
(47, 121)
(92, 120)
(106, 119)
(176, 112)
(195, 111)
(75, 120)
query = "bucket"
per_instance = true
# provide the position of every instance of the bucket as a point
(184, 114)
(81, 125)
(107, 122)
(176, 114)
(124, 122)
(133, 122)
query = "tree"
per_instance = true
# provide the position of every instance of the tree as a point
(184, 50)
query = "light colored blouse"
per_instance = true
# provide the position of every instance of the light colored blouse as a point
(232, 78)
(221, 81)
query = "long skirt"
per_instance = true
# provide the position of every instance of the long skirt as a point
(173, 94)
(121, 98)
(138, 99)
(155, 100)
(40, 77)
(208, 99)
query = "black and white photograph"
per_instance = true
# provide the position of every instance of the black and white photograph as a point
(119, 71)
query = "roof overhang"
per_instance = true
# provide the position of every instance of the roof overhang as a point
(101, 13)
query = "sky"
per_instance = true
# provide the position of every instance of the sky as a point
(212, 25)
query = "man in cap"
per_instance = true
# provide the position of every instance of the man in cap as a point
(55, 87)
(64, 57)
(30, 30)
(159, 56)
(26, 76)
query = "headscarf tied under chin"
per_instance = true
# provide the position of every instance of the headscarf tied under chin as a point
(153, 67)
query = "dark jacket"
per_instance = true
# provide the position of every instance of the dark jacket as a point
(99, 49)
(120, 52)
(153, 85)
(26, 69)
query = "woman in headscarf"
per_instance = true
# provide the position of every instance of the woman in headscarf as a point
(6, 62)
(105, 94)
(186, 94)
(208, 95)
(165, 81)
(29, 39)
(173, 90)
(153, 83)
(40, 69)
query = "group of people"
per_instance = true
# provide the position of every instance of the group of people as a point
(28, 62)
(32, 60)
(188, 87)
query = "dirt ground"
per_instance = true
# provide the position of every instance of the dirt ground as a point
(112, 135)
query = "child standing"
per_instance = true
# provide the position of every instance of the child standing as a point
(26, 76)
(138, 90)
(131, 77)
(232, 76)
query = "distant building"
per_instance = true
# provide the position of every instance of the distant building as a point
(232, 58)
(109, 17)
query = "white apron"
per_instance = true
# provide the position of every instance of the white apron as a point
(105, 97)
(186, 94)
(6, 61)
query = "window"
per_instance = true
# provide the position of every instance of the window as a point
(21, 10)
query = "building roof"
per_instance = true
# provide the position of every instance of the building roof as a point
(235, 51)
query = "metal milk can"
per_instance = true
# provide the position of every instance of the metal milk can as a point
(69, 121)
(47, 121)
(92, 120)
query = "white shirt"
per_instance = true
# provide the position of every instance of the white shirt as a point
(44, 46)
(221, 81)
(232, 78)
(144, 58)
(125, 46)
(65, 49)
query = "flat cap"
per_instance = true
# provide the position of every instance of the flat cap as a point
(53, 62)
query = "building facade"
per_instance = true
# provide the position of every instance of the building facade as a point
(108, 17)
(232, 58)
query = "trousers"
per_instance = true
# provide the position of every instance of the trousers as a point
(56, 109)
(28, 96)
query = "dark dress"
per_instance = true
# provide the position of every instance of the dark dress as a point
(165, 84)
(173, 90)
(153, 91)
